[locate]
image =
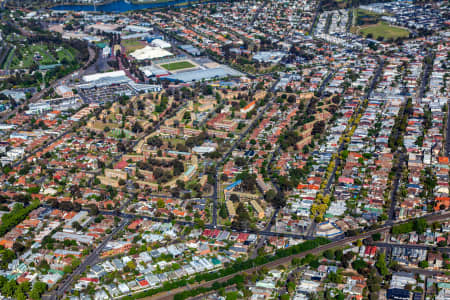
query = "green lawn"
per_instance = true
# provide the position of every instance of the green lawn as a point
(25, 55)
(385, 31)
(65, 53)
(178, 65)
(47, 58)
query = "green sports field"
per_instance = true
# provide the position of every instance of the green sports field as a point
(385, 31)
(177, 65)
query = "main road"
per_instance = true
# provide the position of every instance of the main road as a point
(232, 148)
(400, 153)
(90, 260)
(286, 260)
(341, 146)
(38, 96)
(331, 178)
(93, 258)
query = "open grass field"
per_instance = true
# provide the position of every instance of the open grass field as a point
(383, 30)
(101, 126)
(177, 65)
(132, 45)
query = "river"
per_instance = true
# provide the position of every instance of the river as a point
(120, 6)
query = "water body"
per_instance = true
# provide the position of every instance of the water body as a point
(119, 6)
